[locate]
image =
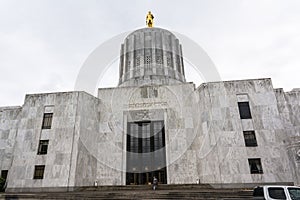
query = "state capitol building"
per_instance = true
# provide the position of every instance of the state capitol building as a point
(153, 123)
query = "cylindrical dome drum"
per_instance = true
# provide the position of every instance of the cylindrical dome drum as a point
(151, 56)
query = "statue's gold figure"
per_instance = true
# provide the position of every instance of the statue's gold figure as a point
(149, 19)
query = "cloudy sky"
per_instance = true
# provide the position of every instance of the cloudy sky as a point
(43, 43)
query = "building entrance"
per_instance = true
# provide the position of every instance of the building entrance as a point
(146, 154)
(146, 178)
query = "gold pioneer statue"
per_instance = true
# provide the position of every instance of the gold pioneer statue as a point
(149, 19)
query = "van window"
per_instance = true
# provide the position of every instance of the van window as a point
(294, 193)
(276, 193)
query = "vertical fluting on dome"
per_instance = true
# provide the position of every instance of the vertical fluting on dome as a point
(151, 56)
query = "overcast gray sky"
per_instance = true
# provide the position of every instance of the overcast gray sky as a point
(43, 43)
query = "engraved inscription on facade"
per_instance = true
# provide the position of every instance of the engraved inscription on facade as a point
(147, 105)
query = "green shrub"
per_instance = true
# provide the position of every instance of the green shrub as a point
(2, 182)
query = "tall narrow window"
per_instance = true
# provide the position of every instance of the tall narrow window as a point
(250, 139)
(244, 109)
(144, 92)
(148, 60)
(146, 155)
(39, 172)
(43, 147)
(126, 62)
(4, 174)
(152, 92)
(178, 63)
(138, 61)
(159, 56)
(159, 60)
(255, 166)
(169, 62)
(145, 136)
(47, 121)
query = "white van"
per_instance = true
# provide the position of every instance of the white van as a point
(275, 192)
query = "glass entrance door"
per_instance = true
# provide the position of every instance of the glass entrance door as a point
(147, 177)
(146, 155)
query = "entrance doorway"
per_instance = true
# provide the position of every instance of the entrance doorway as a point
(146, 154)
(146, 178)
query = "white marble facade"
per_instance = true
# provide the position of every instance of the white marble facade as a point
(203, 131)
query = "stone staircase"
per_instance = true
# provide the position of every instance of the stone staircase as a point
(139, 192)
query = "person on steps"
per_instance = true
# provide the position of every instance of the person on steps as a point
(155, 183)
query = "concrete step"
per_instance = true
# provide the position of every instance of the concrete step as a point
(139, 192)
(146, 187)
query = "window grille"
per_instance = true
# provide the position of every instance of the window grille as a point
(138, 61)
(149, 92)
(148, 60)
(250, 139)
(47, 121)
(39, 172)
(159, 60)
(168, 61)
